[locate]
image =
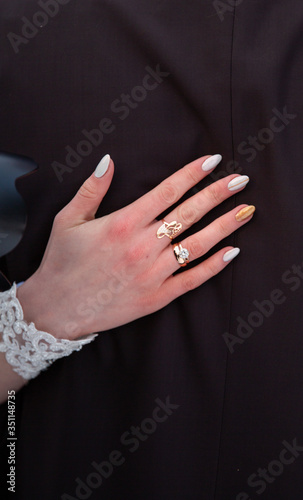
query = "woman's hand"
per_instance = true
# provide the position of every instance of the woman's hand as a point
(97, 274)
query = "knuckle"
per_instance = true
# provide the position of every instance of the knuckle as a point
(189, 283)
(195, 247)
(187, 214)
(212, 267)
(168, 193)
(214, 193)
(135, 254)
(87, 190)
(192, 175)
(221, 228)
(147, 301)
(121, 228)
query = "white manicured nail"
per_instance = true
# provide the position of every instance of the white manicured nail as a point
(238, 182)
(211, 162)
(231, 254)
(103, 166)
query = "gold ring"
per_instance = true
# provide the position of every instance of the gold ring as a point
(169, 229)
(181, 254)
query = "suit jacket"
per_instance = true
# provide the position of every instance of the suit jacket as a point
(202, 400)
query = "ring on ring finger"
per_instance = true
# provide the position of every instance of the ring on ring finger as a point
(181, 254)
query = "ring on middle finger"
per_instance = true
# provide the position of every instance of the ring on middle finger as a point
(169, 229)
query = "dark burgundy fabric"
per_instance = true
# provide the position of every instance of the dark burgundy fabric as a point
(230, 74)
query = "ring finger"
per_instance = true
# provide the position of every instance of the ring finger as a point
(193, 209)
(201, 242)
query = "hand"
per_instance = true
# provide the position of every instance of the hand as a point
(97, 274)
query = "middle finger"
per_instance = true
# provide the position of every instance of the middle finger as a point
(193, 209)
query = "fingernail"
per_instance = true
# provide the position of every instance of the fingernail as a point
(238, 182)
(231, 254)
(102, 166)
(245, 213)
(211, 162)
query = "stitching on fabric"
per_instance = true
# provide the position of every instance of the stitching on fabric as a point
(234, 243)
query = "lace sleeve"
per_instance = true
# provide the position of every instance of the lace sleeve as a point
(26, 349)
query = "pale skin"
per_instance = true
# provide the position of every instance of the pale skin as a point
(98, 274)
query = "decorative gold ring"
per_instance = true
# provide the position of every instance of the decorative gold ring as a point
(169, 229)
(181, 254)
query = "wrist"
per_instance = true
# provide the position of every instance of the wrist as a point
(26, 349)
(36, 307)
(47, 307)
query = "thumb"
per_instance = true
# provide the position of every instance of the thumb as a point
(84, 205)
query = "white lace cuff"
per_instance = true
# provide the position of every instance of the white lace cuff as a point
(26, 349)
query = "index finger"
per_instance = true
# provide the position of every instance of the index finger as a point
(169, 191)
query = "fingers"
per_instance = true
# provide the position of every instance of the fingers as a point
(83, 206)
(175, 286)
(193, 209)
(200, 243)
(152, 204)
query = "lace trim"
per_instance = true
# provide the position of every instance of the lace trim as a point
(26, 349)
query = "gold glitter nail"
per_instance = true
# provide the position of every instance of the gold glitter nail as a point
(245, 213)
